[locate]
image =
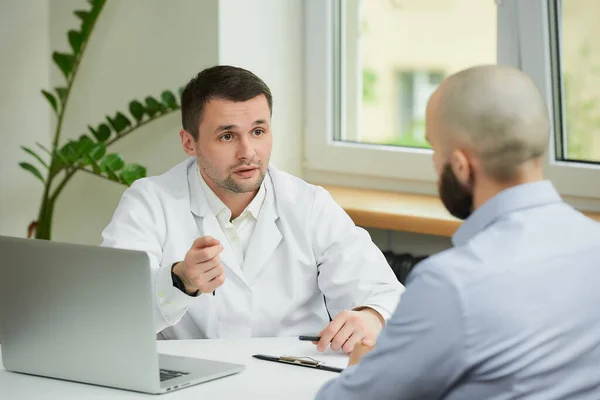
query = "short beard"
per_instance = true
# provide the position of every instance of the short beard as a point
(457, 198)
(229, 183)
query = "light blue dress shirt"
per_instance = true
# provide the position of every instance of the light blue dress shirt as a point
(512, 311)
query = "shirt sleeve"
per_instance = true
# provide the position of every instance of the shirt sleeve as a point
(353, 272)
(420, 353)
(135, 226)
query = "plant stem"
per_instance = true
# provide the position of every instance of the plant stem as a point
(44, 225)
(98, 175)
(47, 206)
(133, 128)
(72, 78)
(61, 185)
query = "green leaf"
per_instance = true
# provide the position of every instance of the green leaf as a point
(95, 167)
(33, 170)
(168, 99)
(56, 159)
(34, 154)
(75, 150)
(131, 173)
(51, 99)
(180, 91)
(41, 146)
(82, 15)
(85, 145)
(62, 93)
(137, 110)
(112, 162)
(91, 17)
(102, 133)
(70, 152)
(95, 153)
(60, 160)
(56, 164)
(98, 151)
(153, 106)
(75, 41)
(65, 62)
(119, 123)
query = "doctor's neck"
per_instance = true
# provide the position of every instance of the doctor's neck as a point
(235, 200)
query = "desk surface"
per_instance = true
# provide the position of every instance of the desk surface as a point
(260, 380)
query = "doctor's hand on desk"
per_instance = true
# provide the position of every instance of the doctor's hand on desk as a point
(350, 328)
(201, 268)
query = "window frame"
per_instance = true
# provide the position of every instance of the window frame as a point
(520, 43)
(321, 151)
(571, 178)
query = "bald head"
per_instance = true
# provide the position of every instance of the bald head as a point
(496, 112)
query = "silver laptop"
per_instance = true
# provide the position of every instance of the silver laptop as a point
(85, 314)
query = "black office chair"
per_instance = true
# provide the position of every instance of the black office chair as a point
(402, 264)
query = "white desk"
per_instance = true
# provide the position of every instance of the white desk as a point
(260, 380)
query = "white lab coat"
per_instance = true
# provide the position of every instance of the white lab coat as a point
(306, 260)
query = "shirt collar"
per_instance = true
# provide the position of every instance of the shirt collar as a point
(516, 198)
(217, 206)
(257, 202)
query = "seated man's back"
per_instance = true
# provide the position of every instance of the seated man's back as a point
(526, 292)
(511, 311)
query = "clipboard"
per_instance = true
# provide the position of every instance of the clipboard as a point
(299, 361)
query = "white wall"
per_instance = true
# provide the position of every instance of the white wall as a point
(265, 36)
(24, 113)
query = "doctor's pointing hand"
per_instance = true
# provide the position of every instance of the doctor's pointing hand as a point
(201, 269)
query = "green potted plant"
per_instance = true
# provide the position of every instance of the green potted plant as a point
(58, 163)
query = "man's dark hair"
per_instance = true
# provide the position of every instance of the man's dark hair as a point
(218, 82)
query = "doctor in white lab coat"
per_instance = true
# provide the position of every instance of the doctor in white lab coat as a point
(239, 248)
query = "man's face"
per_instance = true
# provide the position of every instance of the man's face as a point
(234, 143)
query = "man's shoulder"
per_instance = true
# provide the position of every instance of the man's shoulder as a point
(300, 200)
(457, 266)
(172, 182)
(291, 187)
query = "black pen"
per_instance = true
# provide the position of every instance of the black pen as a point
(309, 338)
(300, 361)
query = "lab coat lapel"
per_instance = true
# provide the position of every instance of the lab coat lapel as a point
(265, 238)
(207, 222)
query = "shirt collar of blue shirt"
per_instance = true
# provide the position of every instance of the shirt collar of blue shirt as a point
(516, 198)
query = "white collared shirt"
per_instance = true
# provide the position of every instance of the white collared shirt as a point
(239, 231)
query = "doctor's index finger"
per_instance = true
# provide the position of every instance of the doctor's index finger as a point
(206, 254)
(330, 331)
(205, 241)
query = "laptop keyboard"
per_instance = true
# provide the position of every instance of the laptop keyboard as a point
(166, 374)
